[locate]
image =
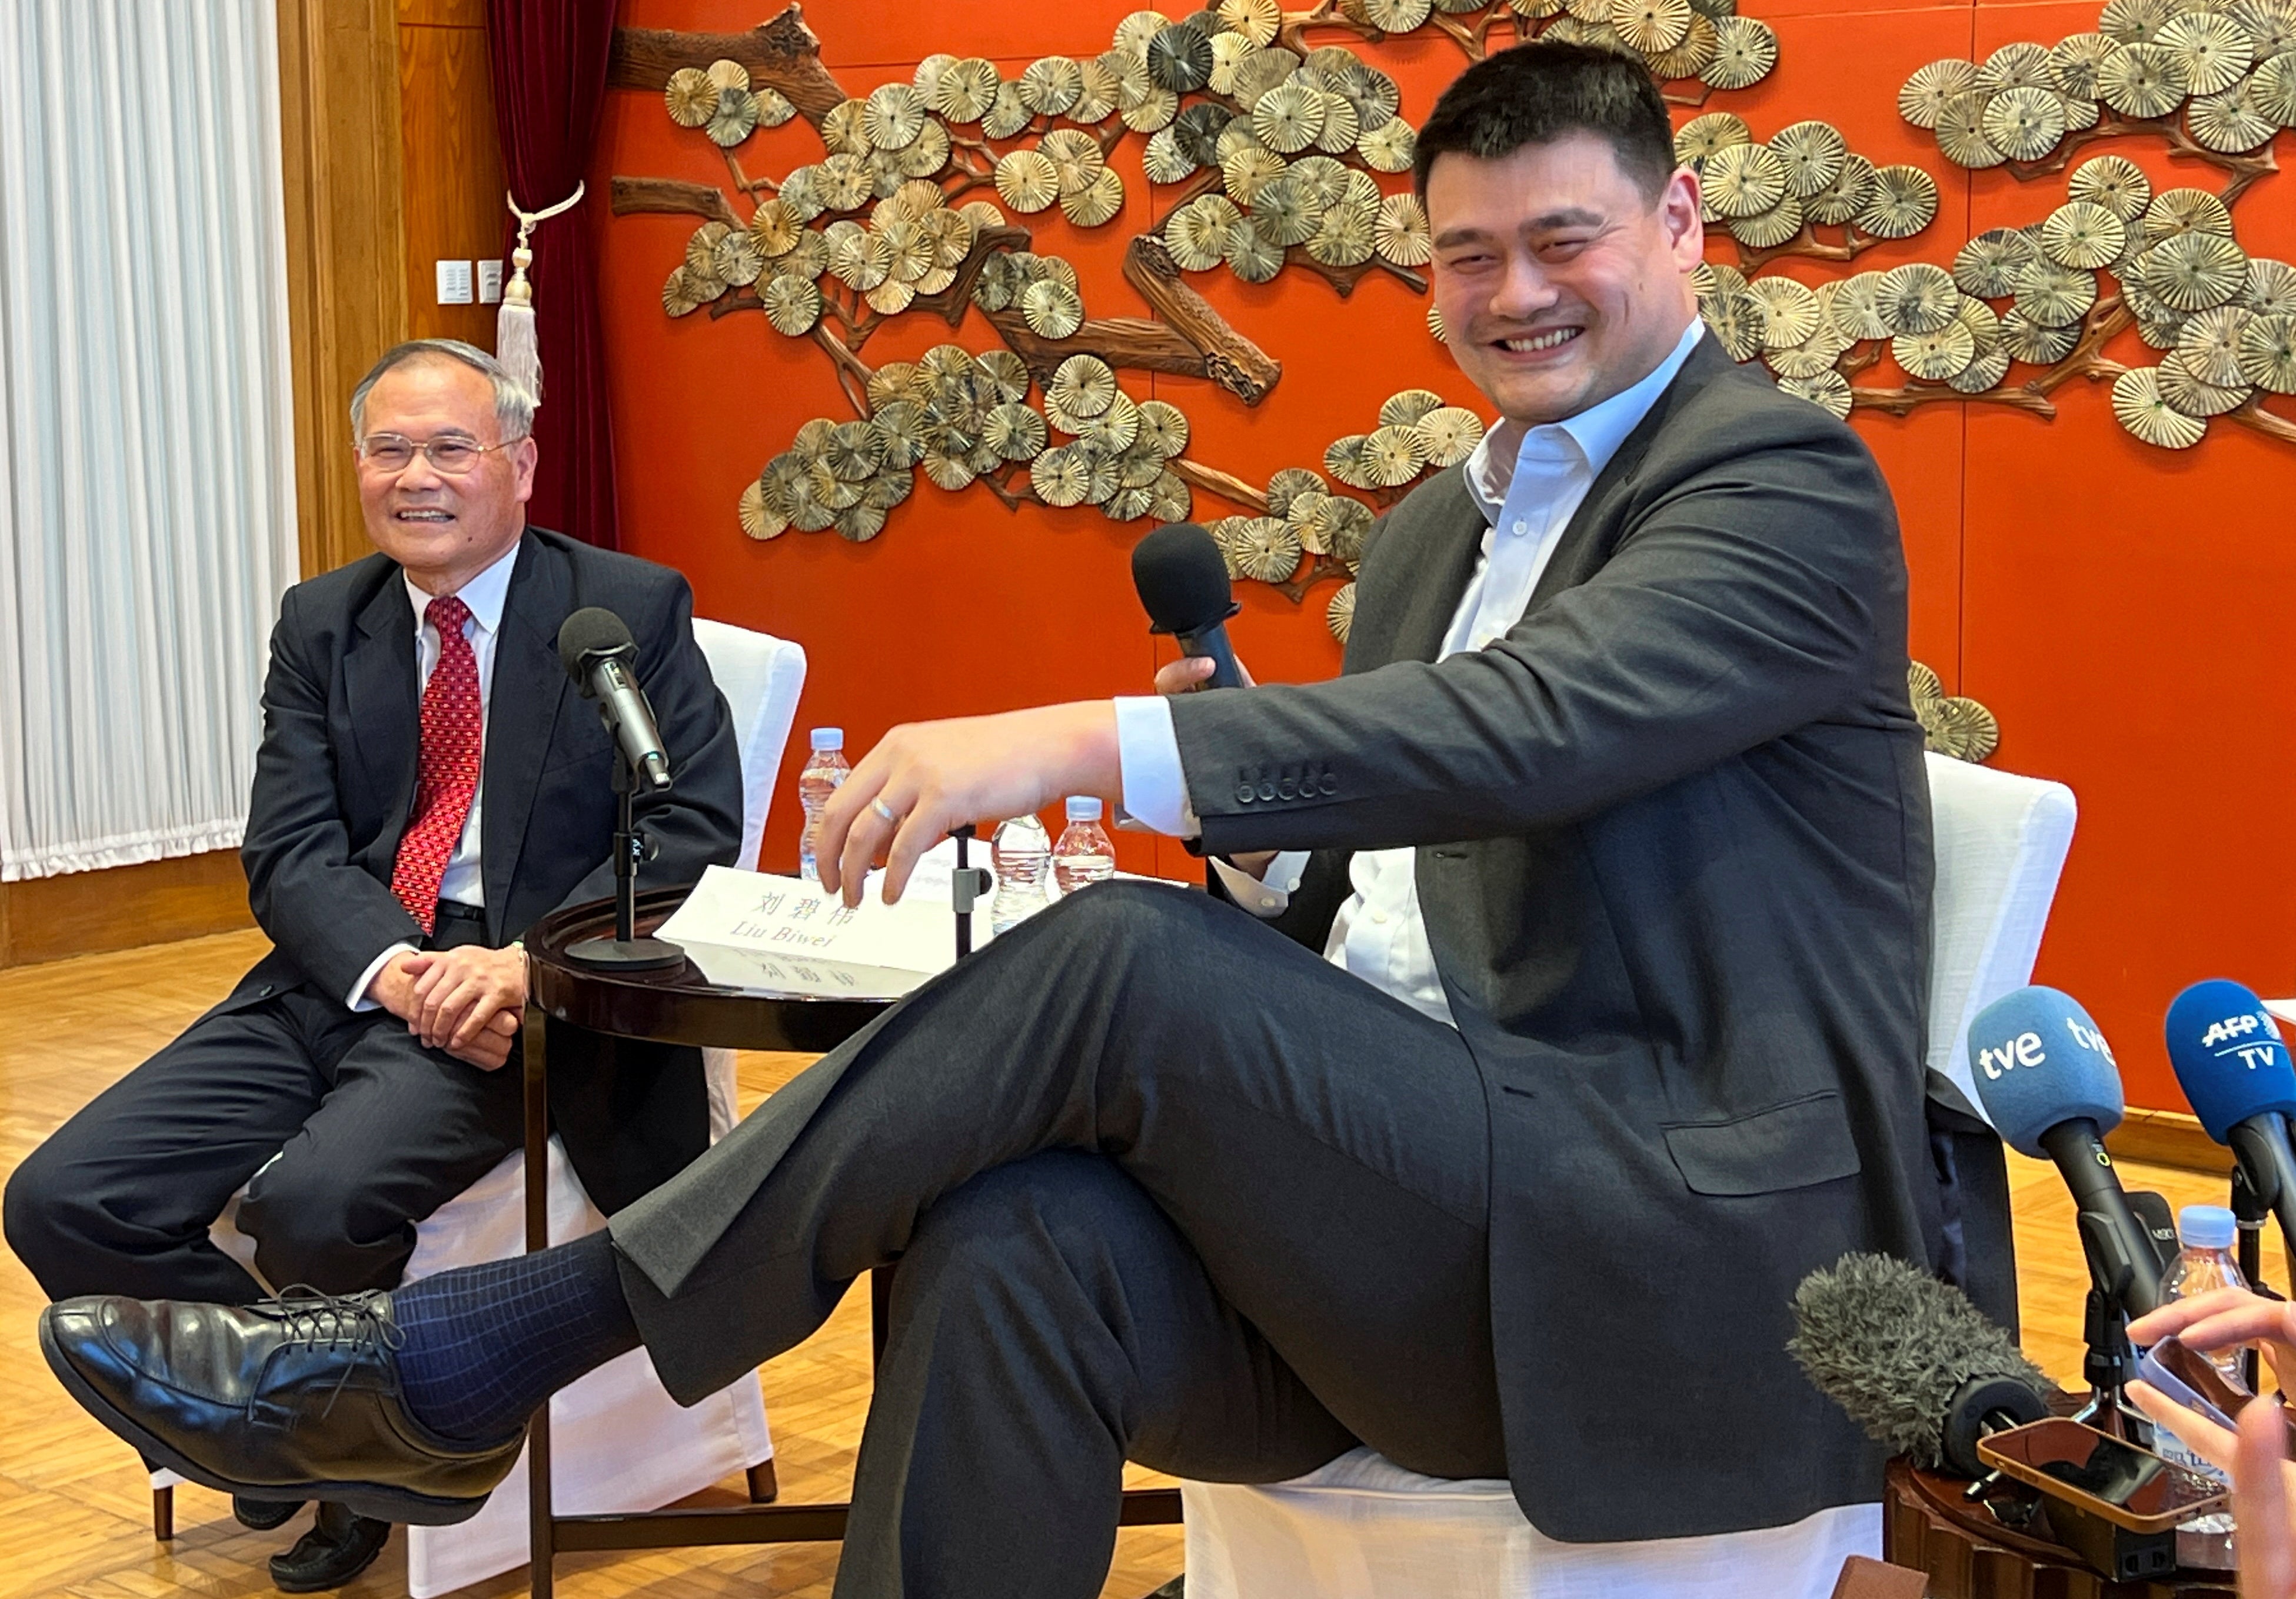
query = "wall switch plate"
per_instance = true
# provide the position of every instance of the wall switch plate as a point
(454, 283)
(490, 283)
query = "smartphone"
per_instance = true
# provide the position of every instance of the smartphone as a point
(2108, 1478)
(2193, 1380)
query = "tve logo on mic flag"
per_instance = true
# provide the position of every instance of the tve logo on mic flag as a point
(2228, 1054)
(2039, 1061)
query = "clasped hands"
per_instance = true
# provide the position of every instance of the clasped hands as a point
(468, 1001)
(2256, 1454)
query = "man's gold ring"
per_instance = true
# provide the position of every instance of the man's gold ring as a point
(878, 806)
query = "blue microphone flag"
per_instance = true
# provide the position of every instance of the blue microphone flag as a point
(2228, 1055)
(2039, 1061)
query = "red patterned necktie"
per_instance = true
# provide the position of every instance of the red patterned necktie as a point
(447, 775)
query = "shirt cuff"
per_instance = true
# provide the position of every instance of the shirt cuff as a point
(1148, 755)
(1268, 896)
(357, 1000)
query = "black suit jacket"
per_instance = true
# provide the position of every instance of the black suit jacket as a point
(1673, 853)
(334, 784)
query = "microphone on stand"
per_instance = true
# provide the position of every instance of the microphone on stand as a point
(1182, 583)
(2235, 1071)
(596, 648)
(1922, 1371)
(2051, 1091)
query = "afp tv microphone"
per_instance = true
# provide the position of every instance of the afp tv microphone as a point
(596, 648)
(2051, 1091)
(2234, 1070)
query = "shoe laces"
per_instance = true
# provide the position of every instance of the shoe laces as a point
(313, 1320)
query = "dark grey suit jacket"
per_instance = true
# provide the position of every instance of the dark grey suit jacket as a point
(1673, 853)
(334, 783)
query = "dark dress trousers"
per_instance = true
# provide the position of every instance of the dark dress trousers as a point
(1166, 1186)
(371, 1130)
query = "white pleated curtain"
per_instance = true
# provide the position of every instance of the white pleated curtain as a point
(146, 434)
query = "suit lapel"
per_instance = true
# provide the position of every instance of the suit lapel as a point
(380, 694)
(1445, 556)
(521, 714)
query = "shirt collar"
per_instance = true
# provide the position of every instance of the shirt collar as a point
(485, 594)
(1597, 432)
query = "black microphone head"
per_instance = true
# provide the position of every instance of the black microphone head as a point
(1916, 1364)
(1182, 578)
(591, 632)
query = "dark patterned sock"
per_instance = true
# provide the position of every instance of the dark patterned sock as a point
(488, 1344)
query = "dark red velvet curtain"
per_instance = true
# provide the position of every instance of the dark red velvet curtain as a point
(549, 68)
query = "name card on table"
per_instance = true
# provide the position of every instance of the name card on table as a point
(755, 931)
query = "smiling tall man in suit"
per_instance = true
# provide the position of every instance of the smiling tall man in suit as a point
(1600, 1023)
(429, 784)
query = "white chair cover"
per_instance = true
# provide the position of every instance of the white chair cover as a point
(619, 1442)
(760, 676)
(1363, 1527)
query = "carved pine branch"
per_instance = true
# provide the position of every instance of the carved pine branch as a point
(2251, 414)
(632, 195)
(2244, 169)
(1229, 359)
(783, 53)
(1807, 245)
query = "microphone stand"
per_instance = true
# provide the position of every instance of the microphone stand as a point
(625, 951)
(2250, 1209)
(2110, 1362)
(966, 885)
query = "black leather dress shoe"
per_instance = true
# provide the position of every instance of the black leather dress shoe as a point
(339, 1546)
(261, 1515)
(288, 1399)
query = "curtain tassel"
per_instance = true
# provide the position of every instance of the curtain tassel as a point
(516, 345)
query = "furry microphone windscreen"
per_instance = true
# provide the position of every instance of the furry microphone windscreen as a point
(1907, 1356)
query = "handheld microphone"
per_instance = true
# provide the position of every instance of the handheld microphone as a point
(2235, 1071)
(596, 648)
(2051, 1091)
(1182, 583)
(1919, 1369)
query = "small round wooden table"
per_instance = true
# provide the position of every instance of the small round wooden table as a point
(678, 1004)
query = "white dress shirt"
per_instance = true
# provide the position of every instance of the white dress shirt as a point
(485, 596)
(1528, 482)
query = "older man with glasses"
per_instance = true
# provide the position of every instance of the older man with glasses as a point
(428, 785)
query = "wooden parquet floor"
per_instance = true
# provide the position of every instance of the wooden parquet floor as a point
(75, 1507)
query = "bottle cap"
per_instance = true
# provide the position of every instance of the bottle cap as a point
(1085, 807)
(829, 738)
(2206, 1226)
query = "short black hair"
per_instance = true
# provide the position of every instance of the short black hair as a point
(1538, 92)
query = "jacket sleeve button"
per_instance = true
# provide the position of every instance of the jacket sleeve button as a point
(1329, 785)
(1243, 794)
(1287, 790)
(1266, 788)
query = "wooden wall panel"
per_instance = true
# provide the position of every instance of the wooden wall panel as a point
(451, 162)
(340, 133)
(83, 913)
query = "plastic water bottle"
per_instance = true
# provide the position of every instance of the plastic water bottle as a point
(1084, 855)
(1021, 853)
(2204, 1266)
(824, 774)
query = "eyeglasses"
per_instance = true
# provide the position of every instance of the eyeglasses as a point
(449, 455)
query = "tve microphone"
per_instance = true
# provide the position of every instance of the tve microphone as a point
(1919, 1369)
(596, 648)
(2051, 1091)
(1183, 582)
(2235, 1071)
